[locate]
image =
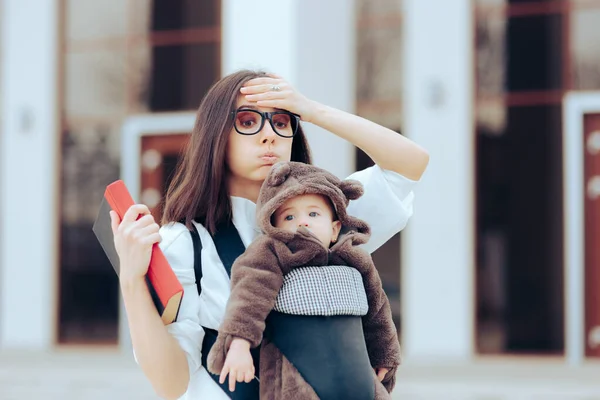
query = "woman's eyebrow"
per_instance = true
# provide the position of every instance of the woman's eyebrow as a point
(244, 106)
(251, 107)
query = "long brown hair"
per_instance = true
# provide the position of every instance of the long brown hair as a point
(198, 190)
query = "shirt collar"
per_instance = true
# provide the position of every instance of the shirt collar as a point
(244, 214)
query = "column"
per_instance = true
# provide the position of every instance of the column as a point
(439, 243)
(29, 173)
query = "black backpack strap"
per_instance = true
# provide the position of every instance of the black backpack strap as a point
(229, 246)
(197, 257)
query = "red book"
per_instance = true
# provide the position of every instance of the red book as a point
(164, 287)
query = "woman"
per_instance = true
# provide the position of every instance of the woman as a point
(246, 123)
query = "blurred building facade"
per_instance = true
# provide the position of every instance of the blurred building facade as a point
(483, 267)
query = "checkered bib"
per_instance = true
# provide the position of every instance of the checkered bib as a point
(326, 291)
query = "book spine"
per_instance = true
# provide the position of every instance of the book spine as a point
(163, 281)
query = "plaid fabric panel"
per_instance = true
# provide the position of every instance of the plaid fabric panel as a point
(327, 290)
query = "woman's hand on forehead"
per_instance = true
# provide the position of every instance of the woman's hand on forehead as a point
(273, 91)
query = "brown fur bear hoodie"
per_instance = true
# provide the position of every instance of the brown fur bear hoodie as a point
(258, 275)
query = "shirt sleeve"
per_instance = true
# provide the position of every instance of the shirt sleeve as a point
(386, 205)
(177, 247)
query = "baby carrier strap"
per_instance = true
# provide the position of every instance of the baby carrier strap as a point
(229, 246)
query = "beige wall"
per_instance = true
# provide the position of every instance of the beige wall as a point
(29, 173)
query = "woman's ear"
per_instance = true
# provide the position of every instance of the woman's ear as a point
(336, 227)
(352, 189)
(279, 173)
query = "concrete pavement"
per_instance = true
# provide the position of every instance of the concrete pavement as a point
(106, 374)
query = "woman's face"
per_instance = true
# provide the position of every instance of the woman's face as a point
(250, 157)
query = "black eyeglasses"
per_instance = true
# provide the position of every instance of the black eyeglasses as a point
(250, 122)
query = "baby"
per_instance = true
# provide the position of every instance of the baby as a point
(310, 295)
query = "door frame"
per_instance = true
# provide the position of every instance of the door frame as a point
(137, 126)
(133, 129)
(575, 106)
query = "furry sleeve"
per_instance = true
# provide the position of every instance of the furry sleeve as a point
(380, 332)
(256, 279)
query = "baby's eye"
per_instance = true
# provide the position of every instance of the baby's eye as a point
(313, 214)
(289, 217)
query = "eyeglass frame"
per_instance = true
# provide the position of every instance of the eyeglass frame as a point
(265, 115)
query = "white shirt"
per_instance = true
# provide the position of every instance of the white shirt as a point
(386, 206)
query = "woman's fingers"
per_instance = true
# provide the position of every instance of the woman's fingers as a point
(260, 91)
(130, 220)
(266, 96)
(148, 229)
(134, 212)
(149, 235)
(262, 81)
(257, 89)
(145, 221)
(132, 230)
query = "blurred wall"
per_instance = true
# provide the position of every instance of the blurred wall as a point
(28, 153)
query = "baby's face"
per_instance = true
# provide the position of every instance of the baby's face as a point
(312, 211)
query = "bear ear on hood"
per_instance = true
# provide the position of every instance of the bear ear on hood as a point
(278, 174)
(352, 189)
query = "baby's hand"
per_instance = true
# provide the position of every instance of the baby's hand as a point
(381, 373)
(238, 363)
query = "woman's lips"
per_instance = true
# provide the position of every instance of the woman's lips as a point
(269, 159)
